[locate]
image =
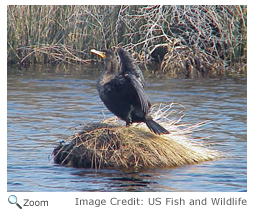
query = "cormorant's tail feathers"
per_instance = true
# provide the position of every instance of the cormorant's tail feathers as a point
(155, 127)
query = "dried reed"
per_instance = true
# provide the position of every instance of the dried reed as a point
(188, 40)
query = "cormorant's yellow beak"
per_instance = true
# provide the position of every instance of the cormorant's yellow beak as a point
(99, 53)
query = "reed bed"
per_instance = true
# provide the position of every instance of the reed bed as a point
(188, 40)
(110, 144)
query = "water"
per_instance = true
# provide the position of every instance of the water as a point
(42, 106)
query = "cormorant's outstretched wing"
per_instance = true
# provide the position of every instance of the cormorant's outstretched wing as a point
(130, 65)
(143, 98)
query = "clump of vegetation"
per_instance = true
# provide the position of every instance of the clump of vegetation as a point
(108, 144)
(190, 40)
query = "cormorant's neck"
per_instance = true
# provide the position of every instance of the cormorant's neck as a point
(111, 67)
(109, 72)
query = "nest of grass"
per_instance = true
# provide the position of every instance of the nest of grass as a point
(110, 144)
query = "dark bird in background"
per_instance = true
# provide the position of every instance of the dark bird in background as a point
(123, 93)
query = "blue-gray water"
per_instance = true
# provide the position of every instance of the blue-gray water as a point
(43, 105)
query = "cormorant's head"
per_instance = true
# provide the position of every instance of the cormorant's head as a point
(111, 65)
(106, 54)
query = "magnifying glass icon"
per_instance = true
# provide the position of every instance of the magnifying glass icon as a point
(13, 200)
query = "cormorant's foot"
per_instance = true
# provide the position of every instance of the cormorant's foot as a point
(128, 118)
(128, 123)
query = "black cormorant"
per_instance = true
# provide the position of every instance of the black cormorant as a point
(123, 93)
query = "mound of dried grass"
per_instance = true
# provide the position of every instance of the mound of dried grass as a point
(109, 144)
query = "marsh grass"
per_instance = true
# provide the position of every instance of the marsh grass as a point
(185, 40)
(110, 144)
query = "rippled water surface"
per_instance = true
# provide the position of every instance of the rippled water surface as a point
(43, 105)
